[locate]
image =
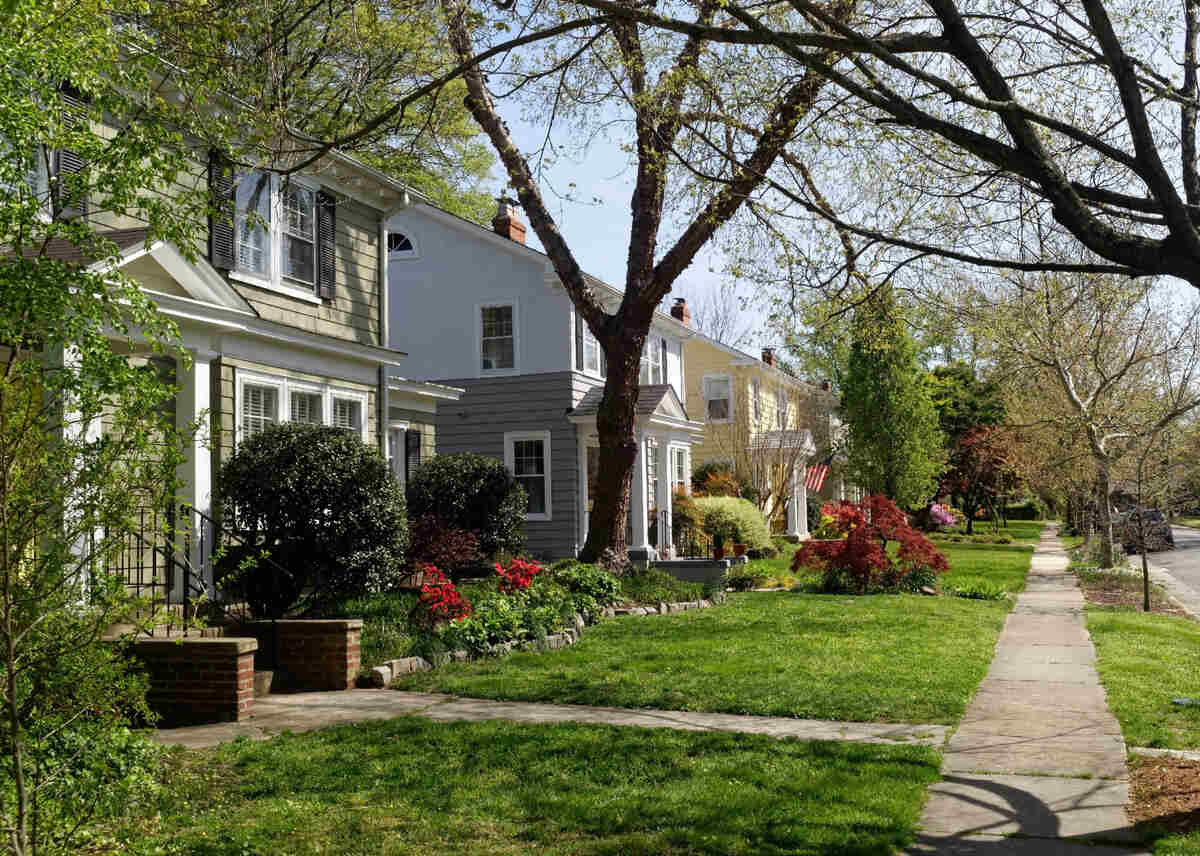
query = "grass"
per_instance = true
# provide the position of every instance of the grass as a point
(412, 786)
(972, 565)
(890, 658)
(1145, 661)
(386, 634)
(1018, 530)
(653, 585)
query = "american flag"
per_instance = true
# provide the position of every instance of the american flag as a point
(814, 478)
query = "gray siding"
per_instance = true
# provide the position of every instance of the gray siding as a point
(492, 406)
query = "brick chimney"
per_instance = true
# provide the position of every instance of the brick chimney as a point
(679, 311)
(826, 386)
(507, 222)
(769, 356)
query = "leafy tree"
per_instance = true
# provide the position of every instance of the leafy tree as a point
(964, 401)
(894, 445)
(978, 475)
(83, 441)
(473, 493)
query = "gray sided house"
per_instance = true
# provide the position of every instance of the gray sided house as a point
(480, 311)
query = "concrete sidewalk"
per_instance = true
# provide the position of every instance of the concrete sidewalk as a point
(307, 711)
(1038, 764)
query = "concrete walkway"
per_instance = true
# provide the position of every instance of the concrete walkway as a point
(1038, 758)
(307, 711)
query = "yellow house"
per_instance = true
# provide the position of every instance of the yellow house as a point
(766, 424)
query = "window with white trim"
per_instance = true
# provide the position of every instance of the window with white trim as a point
(400, 246)
(497, 339)
(264, 400)
(252, 223)
(756, 397)
(347, 413)
(306, 407)
(679, 473)
(412, 452)
(588, 354)
(718, 402)
(260, 408)
(527, 456)
(275, 233)
(299, 239)
(651, 371)
(781, 408)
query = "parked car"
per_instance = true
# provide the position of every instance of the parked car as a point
(1154, 524)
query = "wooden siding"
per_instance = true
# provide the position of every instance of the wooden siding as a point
(492, 406)
(419, 420)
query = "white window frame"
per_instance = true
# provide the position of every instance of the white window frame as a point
(680, 452)
(516, 326)
(652, 357)
(396, 434)
(728, 378)
(333, 392)
(510, 438)
(396, 255)
(277, 282)
(589, 337)
(284, 387)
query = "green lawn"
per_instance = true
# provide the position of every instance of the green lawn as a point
(412, 786)
(1178, 845)
(892, 658)
(1003, 565)
(1018, 530)
(1144, 662)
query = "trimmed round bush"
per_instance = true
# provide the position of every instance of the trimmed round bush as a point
(474, 493)
(325, 509)
(737, 521)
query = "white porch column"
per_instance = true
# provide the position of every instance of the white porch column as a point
(638, 501)
(798, 506)
(663, 500)
(583, 492)
(193, 419)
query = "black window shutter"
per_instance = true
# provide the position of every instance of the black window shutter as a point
(326, 251)
(412, 452)
(664, 360)
(220, 218)
(70, 187)
(579, 366)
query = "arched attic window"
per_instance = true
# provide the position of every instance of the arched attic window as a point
(400, 246)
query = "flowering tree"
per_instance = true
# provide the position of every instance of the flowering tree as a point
(859, 559)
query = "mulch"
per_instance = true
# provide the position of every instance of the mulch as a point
(1164, 793)
(1126, 591)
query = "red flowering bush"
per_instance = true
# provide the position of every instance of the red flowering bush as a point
(518, 575)
(860, 560)
(439, 602)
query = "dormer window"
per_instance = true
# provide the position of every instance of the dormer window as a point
(400, 246)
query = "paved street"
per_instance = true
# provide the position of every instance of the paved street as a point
(1184, 561)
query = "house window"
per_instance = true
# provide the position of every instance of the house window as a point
(252, 222)
(260, 408)
(527, 456)
(717, 402)
(264, 400)
(652, 473)
(299, 240)
(497, 342)
(589, 356)
(652, 362)
(347, 414)
(400, 246)
(412, 452)
(679, 474)
(756, 397)
(306, 407)
(781, 408)
(395, 452)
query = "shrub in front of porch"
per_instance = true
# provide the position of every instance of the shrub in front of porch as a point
(734, 521)
(324, 509)
(475, 494)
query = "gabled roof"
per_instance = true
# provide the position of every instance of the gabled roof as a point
(653, 400)
(60, 249)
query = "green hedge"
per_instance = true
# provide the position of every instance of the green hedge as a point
(1025, 511)
(738, 521)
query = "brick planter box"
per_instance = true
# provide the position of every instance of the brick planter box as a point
(195, 680)
(316, 654)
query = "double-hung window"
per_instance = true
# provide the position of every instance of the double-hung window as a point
(527, 456)
(718, 404)
(589, 356)
(307, 406)
(652, 472)
(281, 240)
(347, 413)
(679, 474)
(653, 353)
(497, 338)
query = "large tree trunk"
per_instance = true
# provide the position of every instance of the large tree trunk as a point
(615, 424)
(1104, 515)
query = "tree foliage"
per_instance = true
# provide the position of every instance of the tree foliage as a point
(894, 445)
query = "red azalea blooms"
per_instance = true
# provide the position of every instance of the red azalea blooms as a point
(518, 575)
(439, 601)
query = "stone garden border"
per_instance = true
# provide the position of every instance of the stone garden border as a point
(382, 675)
